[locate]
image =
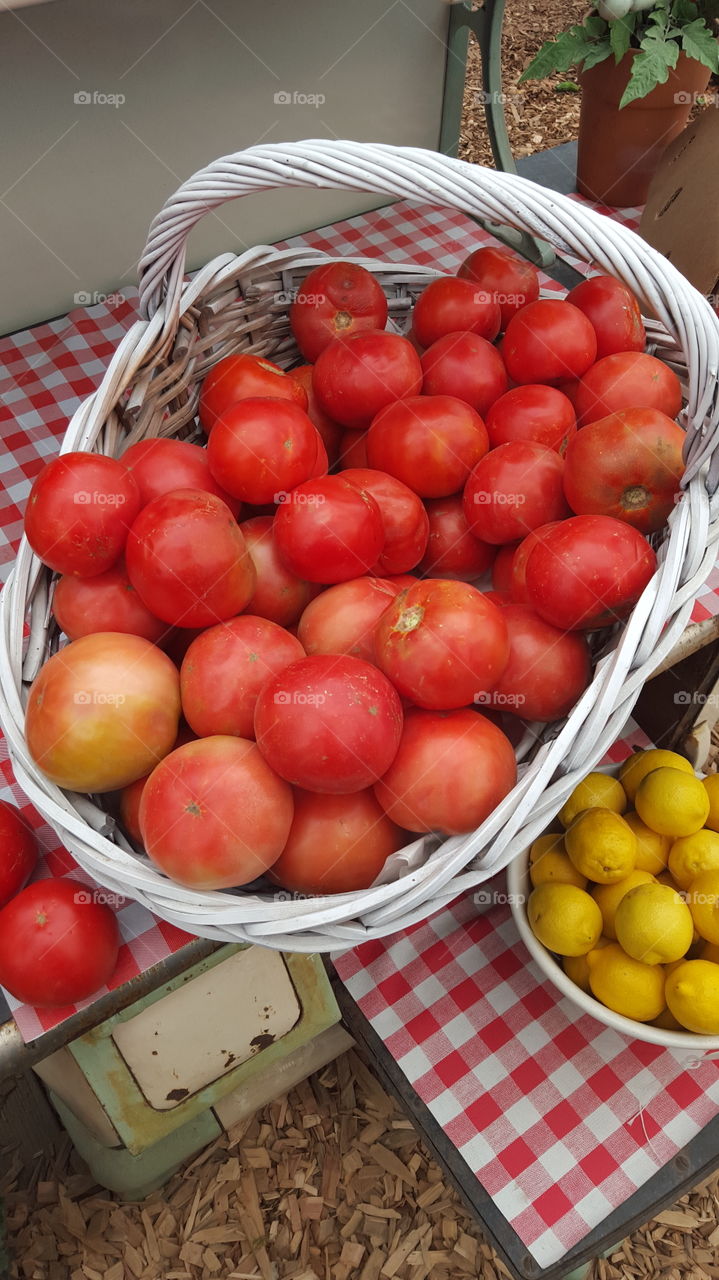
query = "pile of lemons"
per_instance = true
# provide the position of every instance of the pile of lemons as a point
(629, 897)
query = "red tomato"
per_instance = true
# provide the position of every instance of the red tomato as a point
(79, 512)
(451, 770)
(321, 462)
(335, 300)
(452, 550)
(588, 572)
(243, 377)
(430, 443)
(107, 602)
(102, 712)
(214, 814)
(337, 844)
(353, 449)
(548, 341)
(343, 618)
(188, 560)
(355, 377)
(224, 670)
(160, 465)
(628, 380)
(442, 644)
(329, 723)
(57, 944)
(502, 568)
(547, 669)
(626, 465)
(614, 313)
(514, 490)
(404, 519)
(517, 586)
(131, 795)
(533, 412)
(330, 431)
(130, 798)
(466, 366)
(512, 281)
(279, 595)
(449, 305)
(261, 447)
(19, 851)
(500, 598)
(328, 531)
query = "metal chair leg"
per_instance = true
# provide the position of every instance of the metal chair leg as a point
(486, 25)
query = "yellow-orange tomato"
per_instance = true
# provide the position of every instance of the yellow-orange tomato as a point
(103, 711)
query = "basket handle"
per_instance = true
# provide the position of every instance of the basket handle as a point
(410, 173)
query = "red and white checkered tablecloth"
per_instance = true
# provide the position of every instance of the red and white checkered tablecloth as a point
(559, 1118)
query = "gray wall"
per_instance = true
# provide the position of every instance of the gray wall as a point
(80, 180)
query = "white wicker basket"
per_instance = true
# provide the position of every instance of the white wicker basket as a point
(240, 303)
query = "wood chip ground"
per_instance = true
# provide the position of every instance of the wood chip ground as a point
(330, 1182)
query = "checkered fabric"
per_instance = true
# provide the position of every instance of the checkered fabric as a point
(558, 1118)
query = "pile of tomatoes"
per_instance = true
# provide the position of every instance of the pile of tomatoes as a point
(280, 663)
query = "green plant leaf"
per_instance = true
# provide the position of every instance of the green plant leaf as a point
(595, 54)
(650, 68)
(620, 35)
(699, 43)
(596, 26)
(558, 55)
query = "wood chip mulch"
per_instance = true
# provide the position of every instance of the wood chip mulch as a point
(540, 113)
(330, 1182)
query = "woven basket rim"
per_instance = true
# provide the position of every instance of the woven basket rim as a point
(686, 557)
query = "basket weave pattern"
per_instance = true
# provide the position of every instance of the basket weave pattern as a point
(240, 303)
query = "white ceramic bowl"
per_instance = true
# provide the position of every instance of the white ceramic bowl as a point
(519, 888)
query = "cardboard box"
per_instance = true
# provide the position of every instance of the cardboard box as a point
(681, 216)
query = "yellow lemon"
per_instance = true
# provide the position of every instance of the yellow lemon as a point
(596, 791)
(601, 845)
(704, 905)
(711, 786)
(692, 992)
(652, 849)
(564, 918)
(608, 896)
(626, 985)
(709, 951)
(672, 802)
(690, 855)
(549, 861)
(576, 967)
(636, 767)
(654, 924)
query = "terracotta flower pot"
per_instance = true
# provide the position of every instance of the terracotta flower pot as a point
(619, 150)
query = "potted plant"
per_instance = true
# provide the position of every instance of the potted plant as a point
(642, 65)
